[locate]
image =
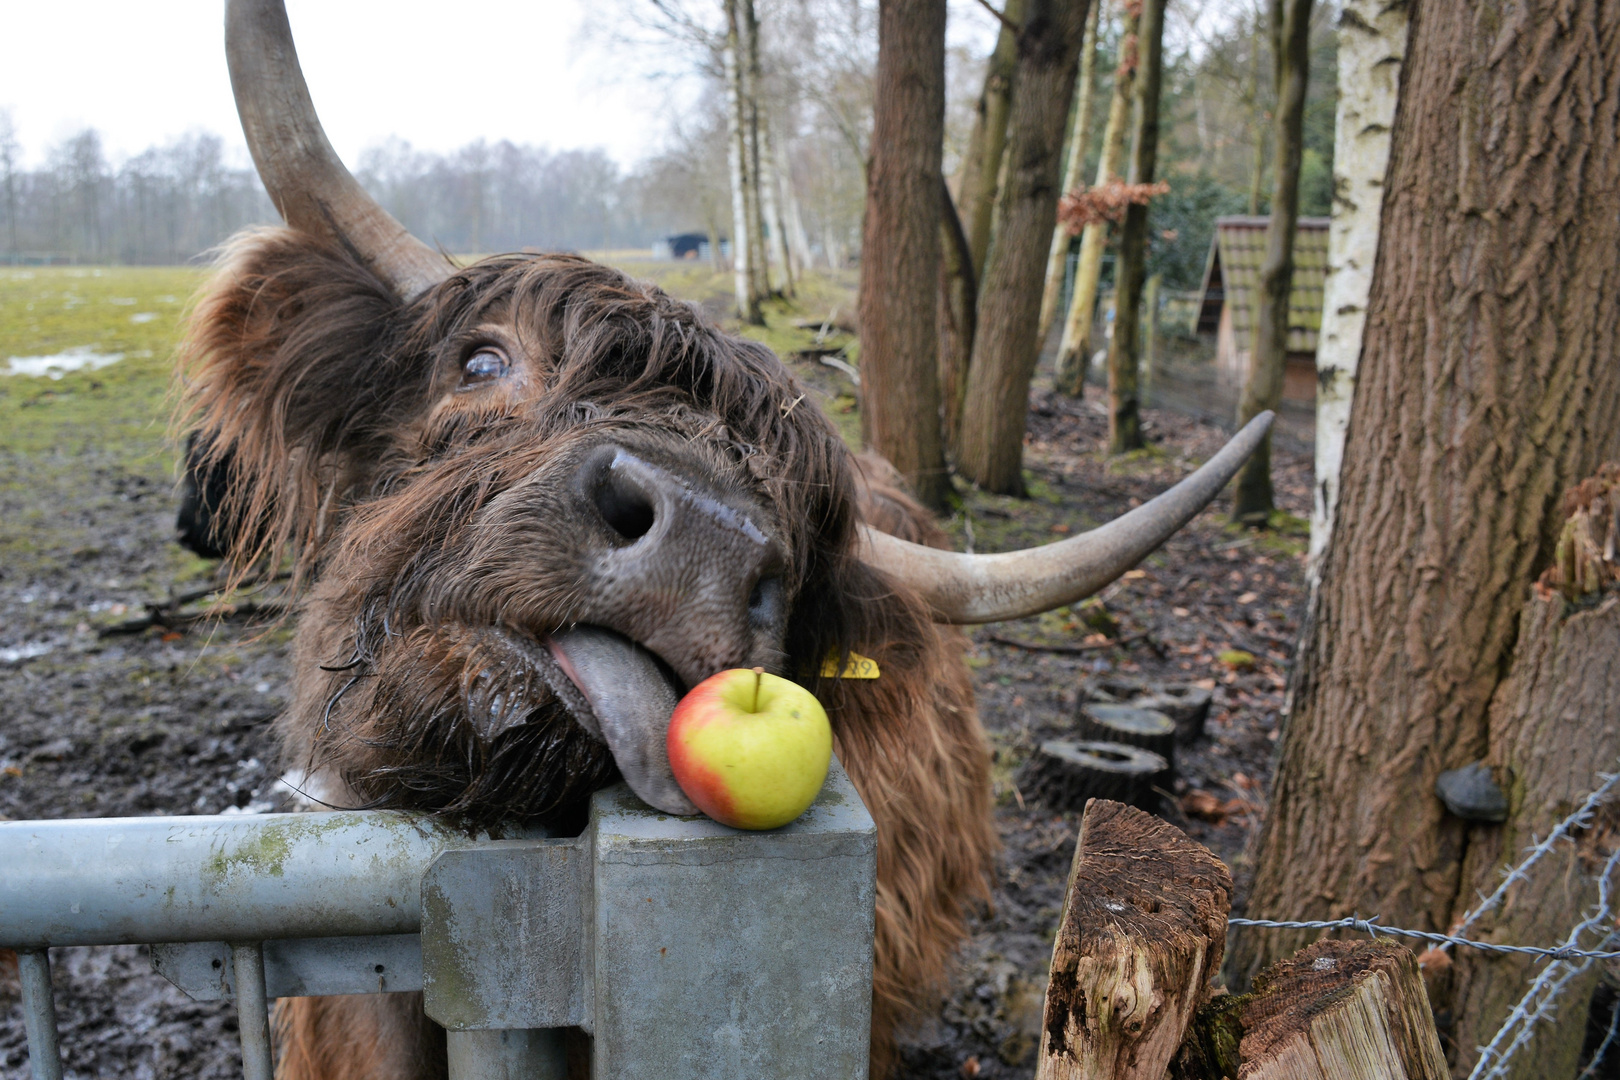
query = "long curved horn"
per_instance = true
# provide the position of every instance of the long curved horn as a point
(308, 183)
(989, 588)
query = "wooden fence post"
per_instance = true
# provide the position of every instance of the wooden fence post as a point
(1142, 931)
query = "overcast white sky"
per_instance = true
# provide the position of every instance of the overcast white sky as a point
(438, 74)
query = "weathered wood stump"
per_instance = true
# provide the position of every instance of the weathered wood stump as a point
(1130, 724)
(1064, 774)
(1186, 704)
(1142, 931)
(1341, 1010)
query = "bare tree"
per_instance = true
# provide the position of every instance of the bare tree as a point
(744, 239)
(1124, 408)
(982, 162)
(1074, 170)
(10, 151)
(1075, 346)
(900, 254)
(1006, 347)
(1262, 389)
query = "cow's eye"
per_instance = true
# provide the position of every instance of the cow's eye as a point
(485, 364)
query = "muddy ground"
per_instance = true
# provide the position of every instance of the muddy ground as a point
(164, 722)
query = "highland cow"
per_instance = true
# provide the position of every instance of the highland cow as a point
(529, 502)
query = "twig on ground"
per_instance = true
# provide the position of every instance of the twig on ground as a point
(1036, 646)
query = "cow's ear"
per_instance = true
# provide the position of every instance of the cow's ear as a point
(292, 378)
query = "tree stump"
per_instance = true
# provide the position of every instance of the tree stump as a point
(1341, 1010)
(1129, 724)
(1064, 774)
(1142, 931)
(1186, 704)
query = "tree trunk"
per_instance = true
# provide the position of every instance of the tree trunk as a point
(758, 258)
(1006, 348)
(1150, 337)
(1074, 170)
(1124, 355)
(900, 250)
(771, 195)
(1489, 384)
(1143, 926)
(743, 277)
(987, 141)
(1074, 351)
(958, 316)
(1372, 44)
(1262, 390)
(798, 240)
(1552, 731)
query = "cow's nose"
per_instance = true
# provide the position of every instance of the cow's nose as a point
(681, 566)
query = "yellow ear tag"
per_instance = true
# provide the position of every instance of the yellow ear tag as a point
(859, 667)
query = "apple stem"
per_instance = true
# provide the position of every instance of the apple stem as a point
(759, 675)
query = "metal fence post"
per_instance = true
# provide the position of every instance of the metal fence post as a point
(252, 1010)
(39, 1014)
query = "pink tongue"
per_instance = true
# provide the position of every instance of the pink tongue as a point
(631, 700)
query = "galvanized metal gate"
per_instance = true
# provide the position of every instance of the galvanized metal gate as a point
(687, 949)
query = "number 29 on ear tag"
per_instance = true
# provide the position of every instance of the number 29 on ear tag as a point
(858, 667)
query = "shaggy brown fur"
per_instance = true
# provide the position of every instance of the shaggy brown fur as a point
(428, 521)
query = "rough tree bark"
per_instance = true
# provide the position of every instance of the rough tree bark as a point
(1124, 354)
(1372, 43)
(743, 271)
(1074, 351)
(958, 317)
(1006, 348)
(987, 139)
(1262, 388)
(900, 249)
(1489, 385)
(1552, 730)
(1074, 171)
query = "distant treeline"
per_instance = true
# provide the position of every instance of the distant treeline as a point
(170, 204)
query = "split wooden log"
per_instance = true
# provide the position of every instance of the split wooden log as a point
(1341, 1010)
(1142, 931)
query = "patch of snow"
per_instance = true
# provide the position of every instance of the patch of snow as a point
(54, 366)
(143, 316)
(122, 301)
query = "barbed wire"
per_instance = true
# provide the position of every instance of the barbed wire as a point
(1580, 819)
(1537, 1003)
(1374, 927)
(1603, 1048)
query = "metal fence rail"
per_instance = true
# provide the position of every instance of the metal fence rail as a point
(686, 948)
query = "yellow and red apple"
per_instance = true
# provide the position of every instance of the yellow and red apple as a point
(750, 749)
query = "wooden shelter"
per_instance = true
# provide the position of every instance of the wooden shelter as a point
(1231, 300)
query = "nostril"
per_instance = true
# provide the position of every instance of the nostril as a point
(765, 601)
(626, 509)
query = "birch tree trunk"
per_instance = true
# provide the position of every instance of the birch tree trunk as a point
(1124, 355)
(747, 296)
(770, 189)
(798, 240)
(1252, 501)
(1074, 171)
(987, 141)
(900, 250)
(1489, 385)
(1074, 351)
(1372, 44)
(1006, 348)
